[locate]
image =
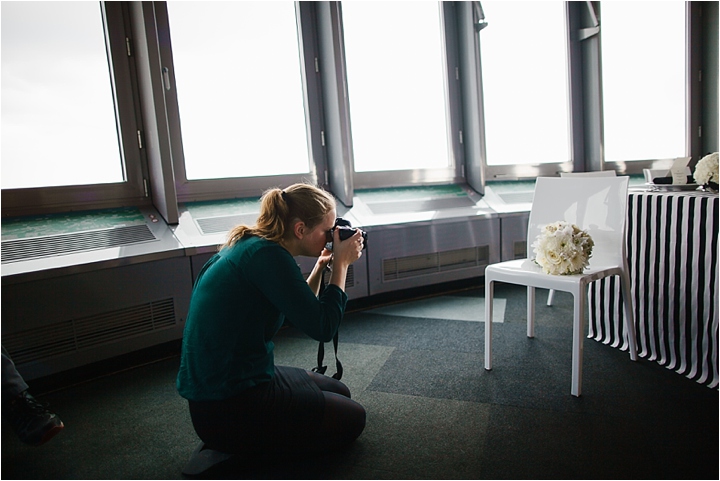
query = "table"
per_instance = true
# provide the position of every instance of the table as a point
(672, 251)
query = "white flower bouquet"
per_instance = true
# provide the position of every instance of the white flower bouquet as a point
(562, 249)
(706, 170)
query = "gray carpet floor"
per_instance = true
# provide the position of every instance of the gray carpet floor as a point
(433, 411)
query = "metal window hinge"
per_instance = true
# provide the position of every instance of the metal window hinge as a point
(699, 75)
(128, 46)
(461, 136)
(327, 182)
(140, 141)
(585, 33)
(317, 66)
(145, 185)
(457, 73)
(699, 130)
(322, 138)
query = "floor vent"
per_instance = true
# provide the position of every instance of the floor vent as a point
(69, 337)
(419, 265)
(48, 246)
(218, 225)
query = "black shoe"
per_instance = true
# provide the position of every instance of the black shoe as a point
(31, 420)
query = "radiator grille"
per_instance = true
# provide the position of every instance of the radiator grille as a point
(68, 337)
(47, 246)
(423, 264)
(218, 225)
(349, 279)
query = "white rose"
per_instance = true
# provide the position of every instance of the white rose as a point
(706, 169)
(562, 248)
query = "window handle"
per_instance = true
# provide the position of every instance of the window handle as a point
(478, 16)
(166, 77)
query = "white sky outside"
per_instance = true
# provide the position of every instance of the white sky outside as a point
(643, 61)
(58, 118)
(524, 75)
(396, 87)
(241, 106)
(239, 88)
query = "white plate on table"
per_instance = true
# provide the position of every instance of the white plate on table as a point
(672, 187)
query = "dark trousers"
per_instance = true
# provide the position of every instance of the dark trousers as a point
(297, 412)
(12, 382)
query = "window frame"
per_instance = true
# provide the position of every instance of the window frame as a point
(584, 32)
(531, 171)
(36, 200)
(585, 99)
(455, 172)
(240, 187)
(691, 111)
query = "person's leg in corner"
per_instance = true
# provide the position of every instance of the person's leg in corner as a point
(343, 419)
(30, 419)
(13, 383)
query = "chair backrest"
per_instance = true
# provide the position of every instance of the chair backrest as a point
(595, 173)
(595, 204)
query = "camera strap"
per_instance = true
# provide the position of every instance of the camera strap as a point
(321, 354)
(320, 369)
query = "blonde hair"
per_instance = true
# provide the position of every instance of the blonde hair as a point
(279, 209)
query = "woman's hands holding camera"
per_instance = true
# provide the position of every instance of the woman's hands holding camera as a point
(345, 252)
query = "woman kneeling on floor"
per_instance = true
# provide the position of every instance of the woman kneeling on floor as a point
(240, 402)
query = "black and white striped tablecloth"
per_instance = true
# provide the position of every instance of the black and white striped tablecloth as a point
(672, 249)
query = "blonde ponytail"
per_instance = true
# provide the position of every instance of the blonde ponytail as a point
(279, 209)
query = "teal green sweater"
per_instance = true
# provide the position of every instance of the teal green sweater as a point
(240, 300)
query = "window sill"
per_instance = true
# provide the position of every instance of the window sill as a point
(57, 232)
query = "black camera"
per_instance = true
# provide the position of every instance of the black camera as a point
(345, 231)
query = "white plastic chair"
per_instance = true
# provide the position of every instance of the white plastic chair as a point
(597, 205)
(596, 173)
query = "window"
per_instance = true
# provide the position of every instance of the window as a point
(58, 117)
(238, 74)
(643, 80)
(65, 123)
(525, 83)
(397, 85)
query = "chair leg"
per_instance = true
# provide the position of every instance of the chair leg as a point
(551, 294)
(489, 291)
(629, 315)
(578, 338)
(530, 311)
